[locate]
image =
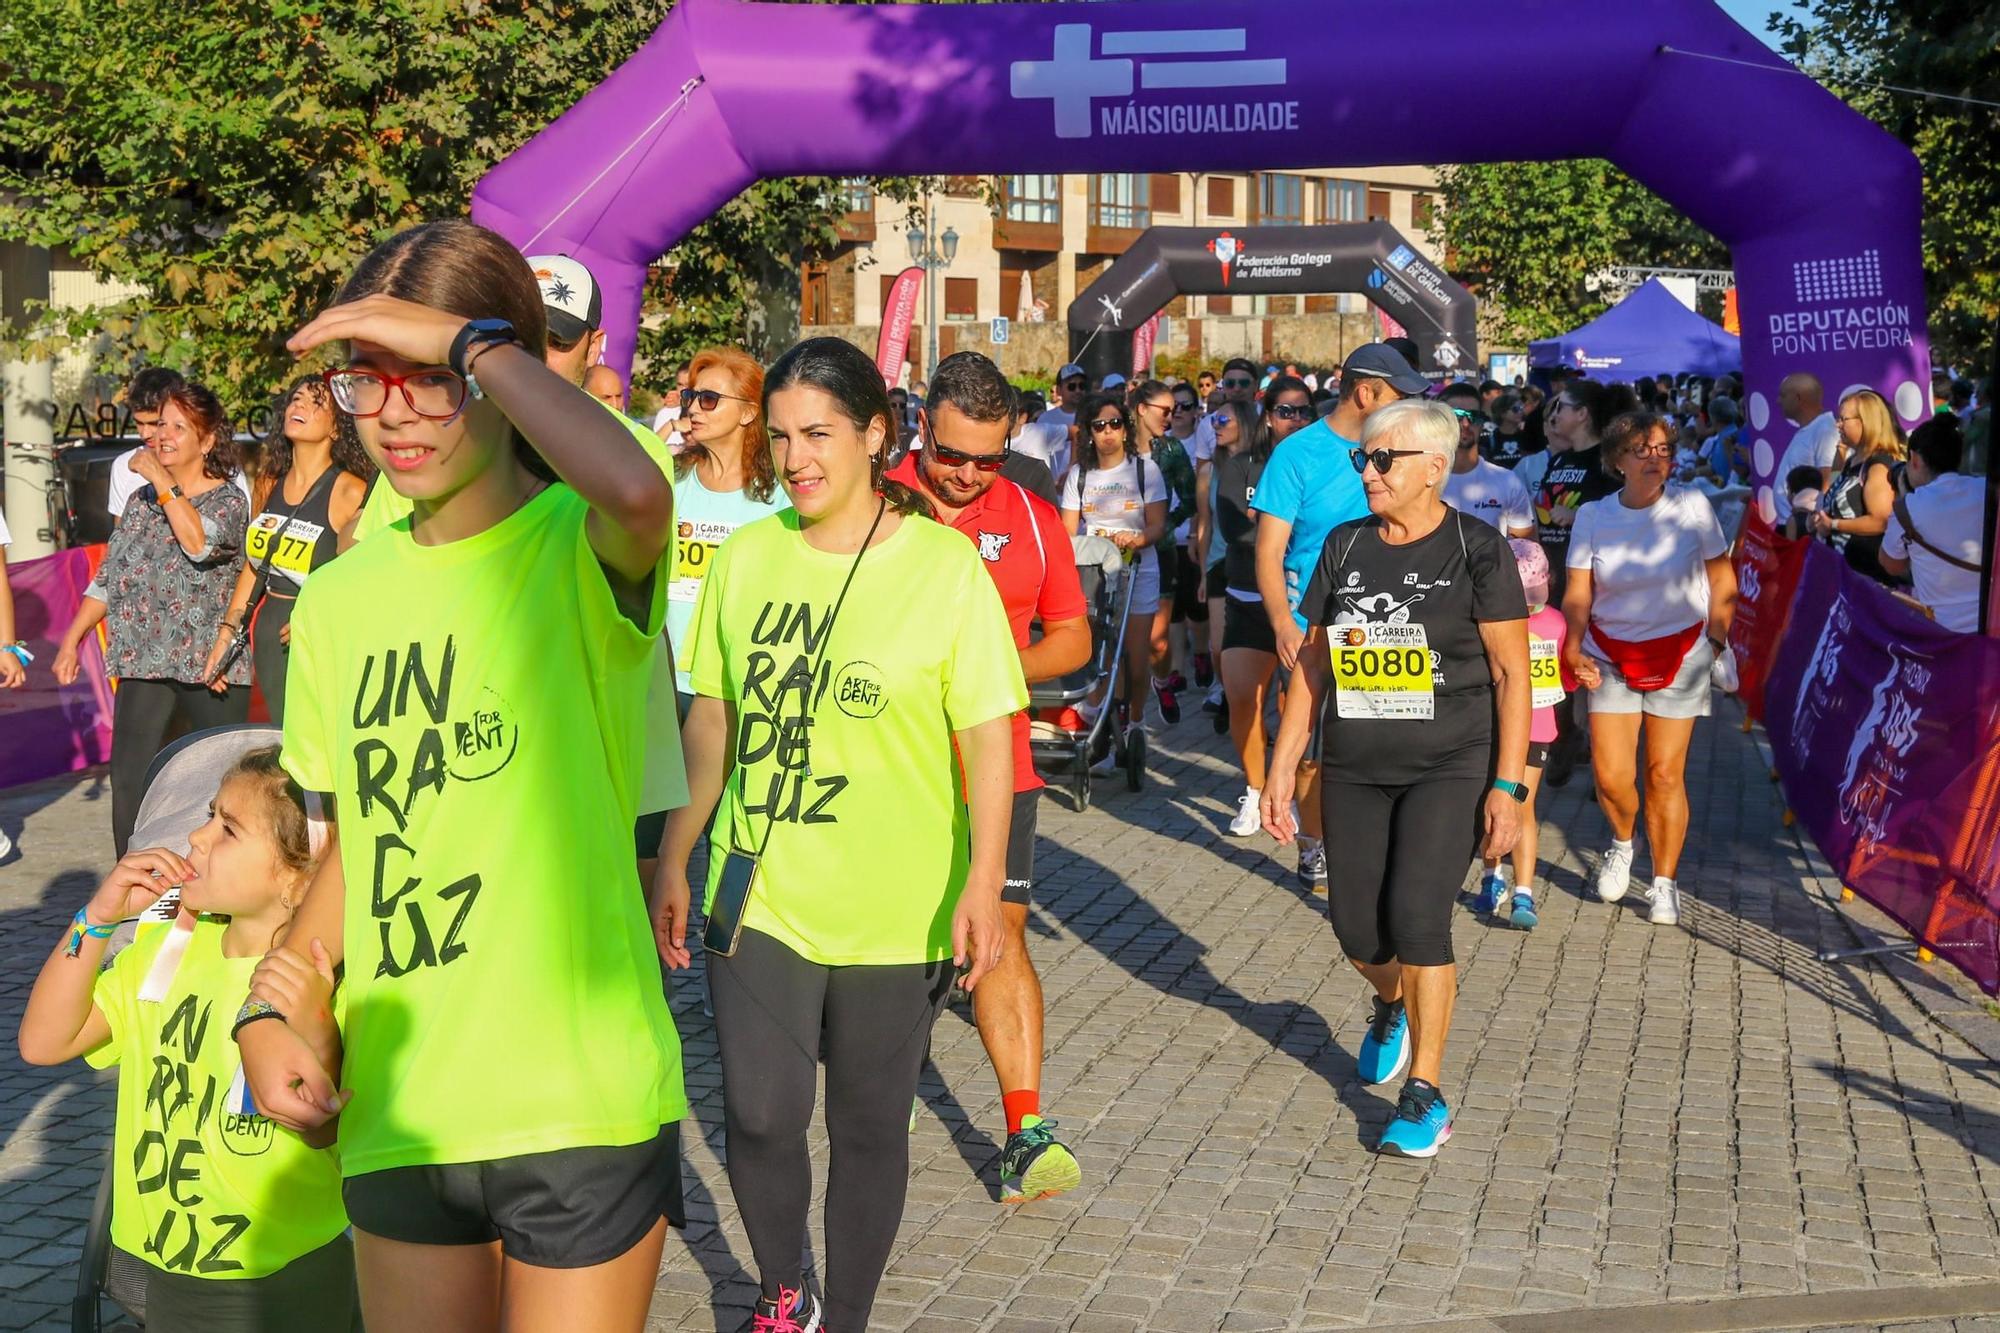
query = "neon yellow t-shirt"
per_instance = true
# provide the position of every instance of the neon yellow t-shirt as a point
(665, 784)
(868, 852)
(476, 709)
(201, 1189)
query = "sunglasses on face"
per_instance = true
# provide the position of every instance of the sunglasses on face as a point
(706, 399)
(1559, 405)
(1103, 424)
(1219, 419)
(1292, 412)
(951, 457)
(1185, 407)
(1076, 386)
(435, 395)
(566, 344)
(1235, 383)
(1464, 414)
(1383, 459)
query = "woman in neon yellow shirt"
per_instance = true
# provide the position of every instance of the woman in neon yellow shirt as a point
(469, 685)
(844, 655)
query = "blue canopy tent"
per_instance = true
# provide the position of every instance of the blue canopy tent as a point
(1648, 333)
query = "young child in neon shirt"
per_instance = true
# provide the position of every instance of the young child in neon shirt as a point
(239, 1219)
(1545, 623)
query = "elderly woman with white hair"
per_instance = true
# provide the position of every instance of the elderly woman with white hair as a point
(1420, 635)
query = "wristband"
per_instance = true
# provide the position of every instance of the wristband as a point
(1517, 790)
(253, 1011)
(20, 650)
(79, 927)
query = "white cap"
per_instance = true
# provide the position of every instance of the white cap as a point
(569, 294)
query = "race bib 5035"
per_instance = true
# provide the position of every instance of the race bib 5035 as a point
(1544, 674)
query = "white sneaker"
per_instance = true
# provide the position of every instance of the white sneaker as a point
(1614, 875)
(1664, 900)
(1088, 711)
(1249, 814)
(6, 845)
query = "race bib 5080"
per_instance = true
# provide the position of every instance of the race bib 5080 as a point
(1382, 671)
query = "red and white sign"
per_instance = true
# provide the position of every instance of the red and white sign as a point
(899, 311)
(1142, 348)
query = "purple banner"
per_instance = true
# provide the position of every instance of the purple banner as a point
(52, 729)
(1886, 732)
(1831, 279)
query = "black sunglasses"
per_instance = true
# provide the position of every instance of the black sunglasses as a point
(1107, 423)
(1076, 384)
(1383, 459)
(951, 457)
(1233, 382)
(1293, 412)
(706, 399)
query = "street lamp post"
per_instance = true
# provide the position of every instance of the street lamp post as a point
(933, 259)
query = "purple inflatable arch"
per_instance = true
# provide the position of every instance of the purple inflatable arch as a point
(1830, 279)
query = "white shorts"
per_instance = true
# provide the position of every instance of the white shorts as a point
(1688, 694)
(1146, 585)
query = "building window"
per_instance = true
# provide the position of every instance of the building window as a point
(1034, 199)
(857, 194)
(1342, 201)
(1378, 205)
(961, 298)
(1423, 211)
(1221, 196)
(1120, 200)
(1281, 198)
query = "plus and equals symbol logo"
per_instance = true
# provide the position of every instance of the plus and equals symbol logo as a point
(1073, 78)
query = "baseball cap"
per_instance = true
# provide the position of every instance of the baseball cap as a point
(1069, 371)
(1533, 564)
(569, 294)
(1383, 362)
(1113, 381)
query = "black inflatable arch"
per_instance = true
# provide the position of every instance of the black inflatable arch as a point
(1371, 258)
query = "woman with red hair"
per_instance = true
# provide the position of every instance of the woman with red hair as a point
(166, 579)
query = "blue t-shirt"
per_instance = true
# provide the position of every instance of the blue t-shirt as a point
(1311, 484)
(703, 520)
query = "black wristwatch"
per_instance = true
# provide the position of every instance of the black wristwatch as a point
(477, 333)
(1517, 790)
(174, 492)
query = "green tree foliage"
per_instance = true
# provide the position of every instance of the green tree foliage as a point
(1941, 46)
(234, 160)
(1529, 237)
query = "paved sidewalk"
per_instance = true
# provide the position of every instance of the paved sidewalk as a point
(1645, 1114)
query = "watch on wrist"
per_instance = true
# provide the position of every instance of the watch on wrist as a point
(477, 333)
(174, 492)
(1517, 790)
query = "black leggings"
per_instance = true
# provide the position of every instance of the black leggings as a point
(140, 719)
(1395, 857)
(269, 655)
(772, 1011)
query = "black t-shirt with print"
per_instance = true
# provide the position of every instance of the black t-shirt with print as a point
(1448, 582)
(1508, 450)
(1235, 485)
(1572, 481)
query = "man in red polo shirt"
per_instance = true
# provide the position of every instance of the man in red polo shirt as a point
(958, 463)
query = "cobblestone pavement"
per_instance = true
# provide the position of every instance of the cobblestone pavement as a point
(1645, 1114)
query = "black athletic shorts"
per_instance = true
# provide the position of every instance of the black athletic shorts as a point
(314, 1293)
(1020, 884)
(572, 1208)
(1218, 581)
(646, 831)
(1163, 556)
(1244, 625)
(1190, 602)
